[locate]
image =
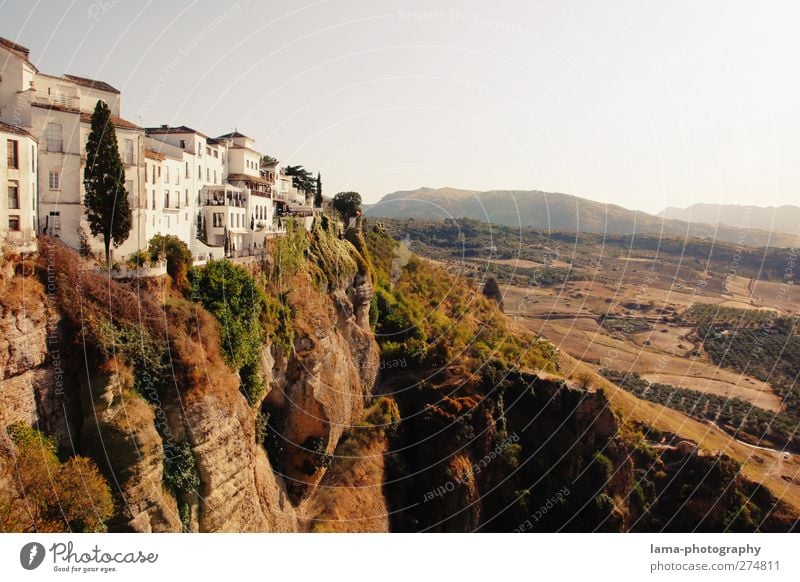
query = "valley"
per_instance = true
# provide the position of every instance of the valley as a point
(700, 347)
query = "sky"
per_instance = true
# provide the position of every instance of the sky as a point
(639, 103)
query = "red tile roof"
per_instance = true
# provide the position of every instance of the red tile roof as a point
(8, 128)
(117, 121)
(17, 48)
(178, 129)
(91, 83)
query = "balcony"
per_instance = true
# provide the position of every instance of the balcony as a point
(57, 100)
(227, 198)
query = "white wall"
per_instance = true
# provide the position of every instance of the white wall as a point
(24, 178)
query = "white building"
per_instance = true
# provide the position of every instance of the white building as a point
(57, 111)
(213, 193)
(18, 203)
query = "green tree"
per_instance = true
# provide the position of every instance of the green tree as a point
(232, 296)
(177, 254)
(318, 193)
(108, 210)
(51, 496)
(492, 291)
(347, 204)
(301, 178)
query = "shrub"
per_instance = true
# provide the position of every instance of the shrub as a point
(138, 260)
(180, 471)
(231, 295)
(177, 254)
(55, 496)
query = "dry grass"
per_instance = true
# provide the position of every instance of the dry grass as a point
(769, 468)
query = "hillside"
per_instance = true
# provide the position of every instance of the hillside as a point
(554, 211)
(784, 219)
(337, 383)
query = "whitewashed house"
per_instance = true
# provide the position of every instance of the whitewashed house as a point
(57, 112)
(180, 199)
(18, 203)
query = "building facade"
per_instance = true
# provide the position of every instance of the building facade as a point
(216, 194)
(18, 175)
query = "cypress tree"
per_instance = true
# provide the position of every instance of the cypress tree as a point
(108, 210)
(318, 193)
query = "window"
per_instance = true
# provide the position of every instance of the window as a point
(154, 205)
(13, 153)
(187, 197)
(128, 151)
(13, 197)
(208, 151)
(183, 144)
(217, 220)
(145, 172)
(187, 170)
(13, 223)
(166, 174)
(54, 223)
(208, 175)
(55, 181)
(55, 142)
(216, 154)
(199, 172)
(166, 199)
(33, 158)
(215, 176)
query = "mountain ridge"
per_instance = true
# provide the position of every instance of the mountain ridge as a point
(784, 218)
(556, 211)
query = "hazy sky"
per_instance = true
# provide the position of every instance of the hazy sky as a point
(640, 103)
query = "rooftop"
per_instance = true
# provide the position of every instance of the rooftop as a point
(92, 83)
(17, 48)
(166, 129)
(153, 154)
(8, 128)
(232, 135)
(247, 178)
(117, 121)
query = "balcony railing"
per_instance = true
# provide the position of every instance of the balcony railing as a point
(240, 202)
(57, 100)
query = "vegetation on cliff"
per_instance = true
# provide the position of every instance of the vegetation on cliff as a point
(52, 496)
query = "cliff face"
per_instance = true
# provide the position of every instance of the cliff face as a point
(523, 452)
(321, 388)
(136, 379)
(179, 445)
(31, 371)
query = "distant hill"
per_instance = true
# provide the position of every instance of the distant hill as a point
(554, 211)
(776, 218)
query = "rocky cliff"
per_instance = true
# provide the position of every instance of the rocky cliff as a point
(469, 426)
(143, 390)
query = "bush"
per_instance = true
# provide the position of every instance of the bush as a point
(178, 256)
(55, 496)
(231, 295)
(138, 260)
(180, 471)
